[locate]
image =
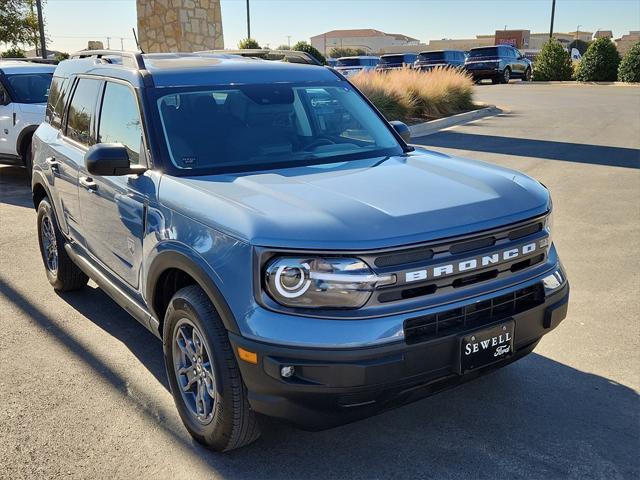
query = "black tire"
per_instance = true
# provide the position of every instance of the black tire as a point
(495, 81)
(231, 423)
(505, 76)
(527, 75)
(28, 160)
(66, 275)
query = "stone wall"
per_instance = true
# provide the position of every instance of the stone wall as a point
(179, 25)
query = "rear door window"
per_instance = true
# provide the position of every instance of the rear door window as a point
(120, 119)
(82, 111)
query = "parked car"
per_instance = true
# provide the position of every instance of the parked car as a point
(296, 257)
(396, 60)
(24, 87)
(349, 66)
(439, 58)
(499, 64)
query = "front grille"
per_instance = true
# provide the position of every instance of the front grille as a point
(455, 250)
(471, 316)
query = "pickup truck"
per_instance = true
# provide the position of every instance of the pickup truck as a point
(294, 254)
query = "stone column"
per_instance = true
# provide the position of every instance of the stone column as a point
(179, 25)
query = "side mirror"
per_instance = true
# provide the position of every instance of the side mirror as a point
(402, 130)
(110, 159)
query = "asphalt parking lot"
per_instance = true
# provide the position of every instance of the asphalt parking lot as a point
(82, 385)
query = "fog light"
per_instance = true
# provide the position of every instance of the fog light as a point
(288, 371)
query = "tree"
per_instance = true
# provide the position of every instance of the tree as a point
(599, 63)
(553, 63)
(283, 47)
(19, 22)
(339, 52)
(13, 26)
(581, 45)
(248, 43)
(13, 52)
(311, 50)
(629, 69)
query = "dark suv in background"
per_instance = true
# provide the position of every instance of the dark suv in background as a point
(500, 64)
(439, 58)
(396, 60)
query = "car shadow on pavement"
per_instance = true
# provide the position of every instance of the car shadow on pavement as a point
(525, 147)
(14, 186)
(536, 418)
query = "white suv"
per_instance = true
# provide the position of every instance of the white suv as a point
(24, 88)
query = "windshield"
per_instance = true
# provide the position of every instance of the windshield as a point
(484, 52)
(392, 59)
(349, 62)
(430, 56)
(261, 125)
(30, 87)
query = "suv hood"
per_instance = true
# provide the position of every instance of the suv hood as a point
(363, 204)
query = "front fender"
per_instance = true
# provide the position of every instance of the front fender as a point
(171, 254)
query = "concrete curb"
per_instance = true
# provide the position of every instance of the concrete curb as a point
(427, 128)
(574, 82)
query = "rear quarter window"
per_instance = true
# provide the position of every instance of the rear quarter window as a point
(82, 111)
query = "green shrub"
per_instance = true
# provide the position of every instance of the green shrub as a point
(629, 69)
(13, 52)
(553, 63)
(599, 63)
(283, 47)
(60, 56)
(346, 52)
(311, 50)
(248, 44)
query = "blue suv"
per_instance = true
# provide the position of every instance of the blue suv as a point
(295, 256)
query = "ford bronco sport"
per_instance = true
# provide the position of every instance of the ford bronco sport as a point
(295, 256)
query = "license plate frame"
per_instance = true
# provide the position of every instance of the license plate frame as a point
(486, 346)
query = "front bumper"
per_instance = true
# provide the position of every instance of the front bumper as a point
(335, 386)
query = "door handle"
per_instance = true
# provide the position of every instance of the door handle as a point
(88, 183)
(52, 162)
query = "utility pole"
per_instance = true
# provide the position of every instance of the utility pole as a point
(248, 21)
(108, 43)
(122, 43)
(553, 13)
(43, 46)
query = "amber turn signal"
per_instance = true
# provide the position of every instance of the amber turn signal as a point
(247, 356)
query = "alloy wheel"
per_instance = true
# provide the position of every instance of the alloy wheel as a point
(194, 371)
(49, 244)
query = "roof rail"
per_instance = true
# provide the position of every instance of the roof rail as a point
(135, 57)
(291, 56)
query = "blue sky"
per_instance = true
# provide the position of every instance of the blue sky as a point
(72, 22)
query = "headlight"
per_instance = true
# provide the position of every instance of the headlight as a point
(548, 225)
(318, 282)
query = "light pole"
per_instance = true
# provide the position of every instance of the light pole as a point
(248, 21)
(43, 46)
(553, 12)
(289, 40)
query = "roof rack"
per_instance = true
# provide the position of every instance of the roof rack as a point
(291, 56)
(135, 58)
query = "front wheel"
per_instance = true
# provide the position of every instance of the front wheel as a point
(527, 75)
(205, 381)
(62, 273)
